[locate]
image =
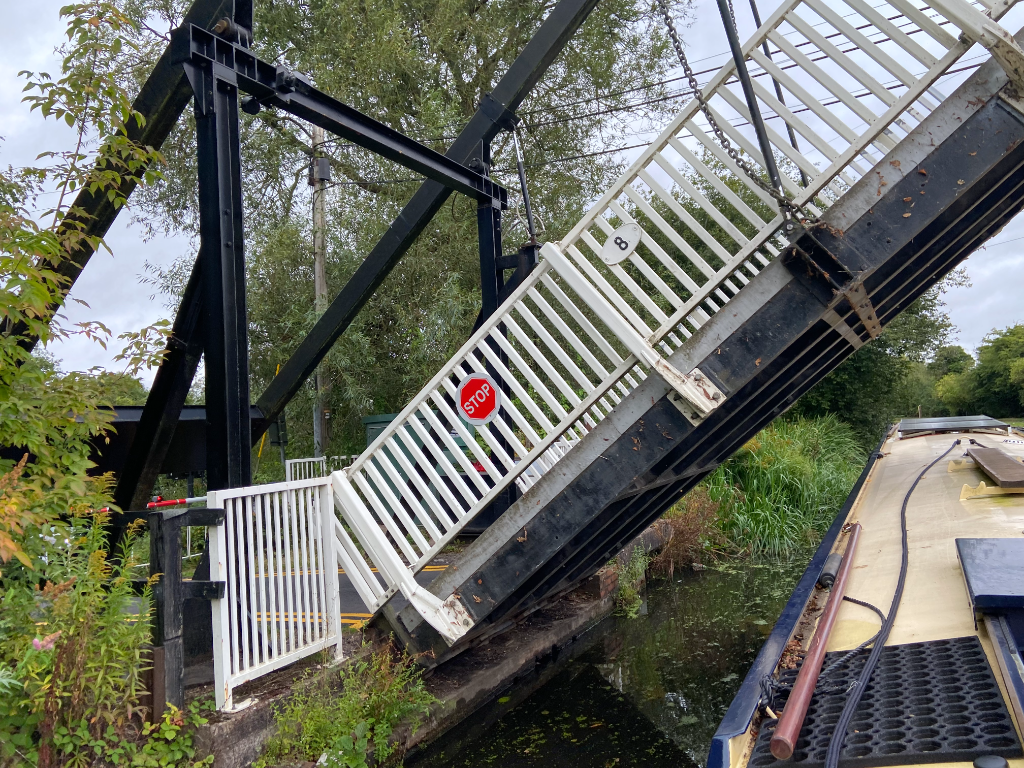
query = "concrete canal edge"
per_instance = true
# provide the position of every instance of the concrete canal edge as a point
(462, 686)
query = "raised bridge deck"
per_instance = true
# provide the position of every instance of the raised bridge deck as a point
(628, 374)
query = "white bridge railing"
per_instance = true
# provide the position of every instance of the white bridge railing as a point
(304, 469)
(661, 252)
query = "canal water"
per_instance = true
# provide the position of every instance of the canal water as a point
(648, 691)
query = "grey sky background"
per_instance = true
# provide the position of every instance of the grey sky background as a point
(112, 285)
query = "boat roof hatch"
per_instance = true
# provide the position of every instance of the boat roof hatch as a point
(994, 572)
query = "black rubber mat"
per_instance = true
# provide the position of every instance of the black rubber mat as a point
(934, 702)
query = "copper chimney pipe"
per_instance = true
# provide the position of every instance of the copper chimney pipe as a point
(792, 719)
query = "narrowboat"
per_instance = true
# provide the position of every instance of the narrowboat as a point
(901, 643)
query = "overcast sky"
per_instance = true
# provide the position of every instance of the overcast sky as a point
(111, 283)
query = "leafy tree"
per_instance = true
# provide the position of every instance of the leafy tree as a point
(950, 359)
(995, 386)
(36, 399)
(997, 377)
(69, 662)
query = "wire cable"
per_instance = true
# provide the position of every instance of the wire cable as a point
(835, 745)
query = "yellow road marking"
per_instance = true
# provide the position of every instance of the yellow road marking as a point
(428, 568)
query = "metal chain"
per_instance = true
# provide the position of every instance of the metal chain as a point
(787, 205)
(732, 15)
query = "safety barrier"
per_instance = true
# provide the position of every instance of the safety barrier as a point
(276, 552)
(661, 252)
(304, 469)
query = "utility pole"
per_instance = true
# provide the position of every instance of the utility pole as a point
(319, 175)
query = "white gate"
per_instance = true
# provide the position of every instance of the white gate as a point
(276, 552)
(304, 469)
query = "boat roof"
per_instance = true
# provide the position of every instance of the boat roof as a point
(935, 604)
(954, 500)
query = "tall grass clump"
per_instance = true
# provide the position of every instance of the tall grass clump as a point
(631, 582)
(779, 492)
(785, 485)
(350, 720)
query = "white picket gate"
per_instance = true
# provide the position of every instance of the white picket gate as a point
(661, 252)
(276, 552)
(304, 469)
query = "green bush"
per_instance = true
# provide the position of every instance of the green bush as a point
(72, 656)
(785, 485)
(631, 581)
(347, 717)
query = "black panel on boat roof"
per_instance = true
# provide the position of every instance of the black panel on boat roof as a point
(994, 571)
(931, 702)
(950, 424)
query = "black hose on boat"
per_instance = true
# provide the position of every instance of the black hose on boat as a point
(771, 688)
(835, 745)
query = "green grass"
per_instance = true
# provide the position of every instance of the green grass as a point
(350, 719)
(784, 486)
(631, 581)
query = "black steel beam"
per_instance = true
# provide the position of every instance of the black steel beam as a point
(962, 227)
(508, 94)
(277, 86)
(163, 98)
(155, 430)
(187, 452)
(963, 224)
(222, 264)
(825, 350)
(915, 276)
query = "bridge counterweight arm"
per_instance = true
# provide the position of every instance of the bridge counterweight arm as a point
(275, 86)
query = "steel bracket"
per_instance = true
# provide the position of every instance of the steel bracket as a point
(497, 113)
(857, 297)
(693, 393)
(813, 258)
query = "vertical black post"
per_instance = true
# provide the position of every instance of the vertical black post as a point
(221, 254)
(492, 283)
(172, 598)
(748, 95)
(165, 559)
(488, 222)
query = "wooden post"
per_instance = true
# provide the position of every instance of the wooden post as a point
(319, 177)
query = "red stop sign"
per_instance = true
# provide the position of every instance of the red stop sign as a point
(478, 398)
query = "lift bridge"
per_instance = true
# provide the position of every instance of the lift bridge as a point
(678, 317)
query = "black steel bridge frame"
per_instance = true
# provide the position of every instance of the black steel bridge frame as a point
(210, 63)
